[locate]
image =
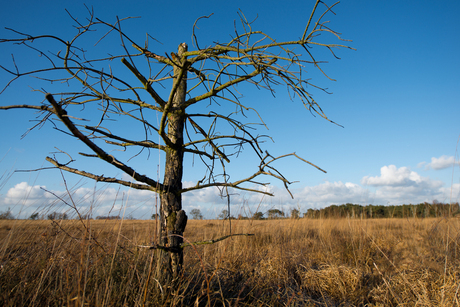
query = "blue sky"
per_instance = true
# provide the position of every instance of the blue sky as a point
(397, 97)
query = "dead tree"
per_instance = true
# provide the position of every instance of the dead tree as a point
(88, 94)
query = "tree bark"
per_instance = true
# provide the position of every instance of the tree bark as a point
(172, 218)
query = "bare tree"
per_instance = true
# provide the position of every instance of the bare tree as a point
(95, 101)
(196, 214)
(275, 214)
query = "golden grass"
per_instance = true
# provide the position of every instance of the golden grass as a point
(304, 262)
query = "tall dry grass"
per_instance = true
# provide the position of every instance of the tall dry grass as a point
(304, 262)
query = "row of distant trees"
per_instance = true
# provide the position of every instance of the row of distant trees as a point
(350, 210)
(425, 209)
(8, 215)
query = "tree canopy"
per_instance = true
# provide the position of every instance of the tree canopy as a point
(117, 100)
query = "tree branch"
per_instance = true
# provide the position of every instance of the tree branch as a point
(148, 144)
(209, 140)
(101, 178)
(27, 106)
(62, 114)
(211, 241)
(145, 83)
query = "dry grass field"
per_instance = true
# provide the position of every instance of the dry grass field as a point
(303, 262)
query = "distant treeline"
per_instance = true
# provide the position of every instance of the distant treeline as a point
(109, 217)
(371, 211)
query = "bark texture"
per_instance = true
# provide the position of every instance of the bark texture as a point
(172, 218)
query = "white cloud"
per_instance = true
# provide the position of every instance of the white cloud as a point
(401, 185)
(450, 194)
(24, 194)
(440, 163)
(202, 196)
(392, 176)
(332, 193)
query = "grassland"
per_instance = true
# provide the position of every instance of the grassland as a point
(302, 262)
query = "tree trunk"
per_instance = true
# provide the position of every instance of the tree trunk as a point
(172, 218)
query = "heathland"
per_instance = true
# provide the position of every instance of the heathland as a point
(287, 262)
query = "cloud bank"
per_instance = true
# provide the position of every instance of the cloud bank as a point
(392, 186)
